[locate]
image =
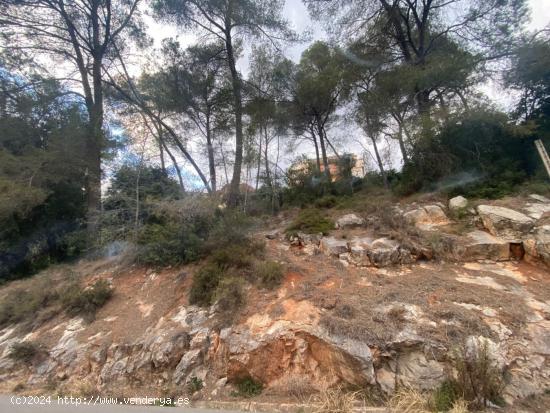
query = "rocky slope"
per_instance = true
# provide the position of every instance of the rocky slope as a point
(363, 306)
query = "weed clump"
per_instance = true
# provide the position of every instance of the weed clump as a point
(87, 301)
(22, 304)
(230, 295)
(446, 395)
(269, 273)
(311, 221)
(248, 387)
(24, 351)
(205, 282)
(479, 379)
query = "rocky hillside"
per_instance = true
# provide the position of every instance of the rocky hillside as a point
(400, 298)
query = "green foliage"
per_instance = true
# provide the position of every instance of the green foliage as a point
(479, 379)
(248, 387)
(22, 304)
(175, 231)
(85, 302)
(230, 257)
(205, 282)
(269, 273)
(195, 384)
(477, 153)
(230, 295)
(41, 178)
(24, 351)
(328, 201)
(446, 395)
(238, 256)
(311, 221)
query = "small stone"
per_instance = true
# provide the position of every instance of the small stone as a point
(458, 203)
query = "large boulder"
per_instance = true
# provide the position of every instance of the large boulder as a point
(349, 220)
(505, 222)
(457, 203)
(426, 217)
(359, 251)
(384, 252)
(479, 245)
(333, 246)
(538, 246)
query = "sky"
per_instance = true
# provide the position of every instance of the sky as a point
(297, 15)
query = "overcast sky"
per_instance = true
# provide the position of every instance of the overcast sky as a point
(296, 13)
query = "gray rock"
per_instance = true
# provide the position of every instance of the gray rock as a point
(187, 362)
(480, 245)
(349, 220)
(540, 198)
(384, 252)
(426, 217)
(505, 223)
(272, 234)
(333, 246)
(415, 370)
(458, 203)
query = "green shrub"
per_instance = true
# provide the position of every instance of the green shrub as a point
(479, 379)
(195, 384)
(328, 201)
(23, 303)
(248, 387)
(311, 221)
(237, 256)
(269, 273)
(86, 302)
(205, 282)
(25, 351)
(230, 295)
(168, 244)
(445, 396)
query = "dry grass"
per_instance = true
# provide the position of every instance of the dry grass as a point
(294, 385)
(459, 406)
(408, 400)
(335, 401)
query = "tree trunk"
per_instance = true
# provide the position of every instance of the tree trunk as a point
(176, 166)
(211, 161)
(266, 159)
(259, 162)
(380, 164)
(402, 145)
(162, 162)
(323, 151)
(233, 198)
(317, 157)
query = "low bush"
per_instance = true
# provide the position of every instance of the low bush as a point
(237, 256)
(167, 244)
(230, 295)
(269, 273)
(86, 302)
(248, 387)
(205, 282)
(23, 303)
(195, 384)
(24, 352)
(479, 379)
(311, 221)
(328, 201)
(446, 395)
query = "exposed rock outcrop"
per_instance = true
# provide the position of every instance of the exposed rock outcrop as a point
(505, 223)
(349, 221)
